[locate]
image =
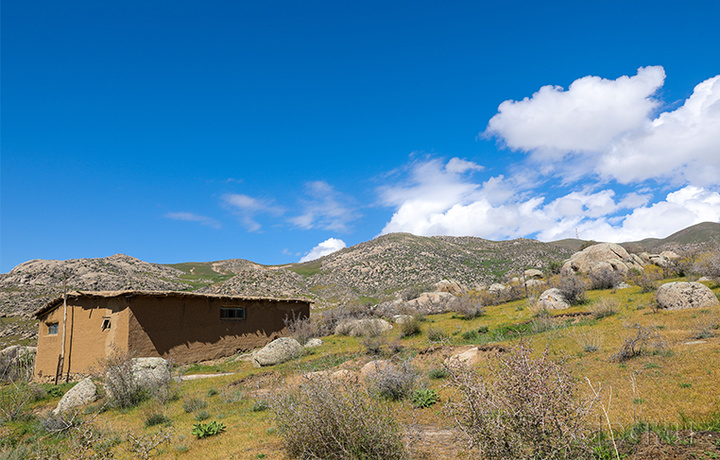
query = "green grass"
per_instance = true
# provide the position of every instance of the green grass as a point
(307, 269)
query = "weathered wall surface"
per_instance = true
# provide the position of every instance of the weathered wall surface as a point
(86, 343)
(190, 329)
(185, 329)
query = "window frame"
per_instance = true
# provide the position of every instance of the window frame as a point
(230, 313)
(53, 328)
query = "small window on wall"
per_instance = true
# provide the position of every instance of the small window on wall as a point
(52, 328)
(232, 313)
(106, 324)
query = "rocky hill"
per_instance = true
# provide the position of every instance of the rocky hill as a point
(696, 236)
(29, 285)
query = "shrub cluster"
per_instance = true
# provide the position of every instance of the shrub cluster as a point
(572, 288)
(393, 382)
(645, 337)
(333, 420)
(527, 409)
(605, 278)
(468, 305)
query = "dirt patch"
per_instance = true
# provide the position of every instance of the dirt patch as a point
(257, 380)
(435, 442)
(680, 445)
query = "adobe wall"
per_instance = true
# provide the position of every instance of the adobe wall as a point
(86, 343)
(189, 329)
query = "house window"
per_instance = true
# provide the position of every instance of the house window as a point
(232, 313)
(52, 328)
(106, 324)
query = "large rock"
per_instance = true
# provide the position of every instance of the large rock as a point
(151, 372)
(533, 273)
(363, 327)
(468, 358)
(432, 303)
(600, 256)
(84, 392)
(276, 352)
(683, 295)
(450, 286)
(16, 362)
(371, 369)
(552, 299)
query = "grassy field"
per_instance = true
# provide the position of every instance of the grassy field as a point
(674, 386)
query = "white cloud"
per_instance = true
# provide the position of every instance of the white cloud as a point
(585, 118)
(683, 144)
(435, 202)
(246, 208)
(326, 247)
(605, 128)
(325, 209)
(190, 217)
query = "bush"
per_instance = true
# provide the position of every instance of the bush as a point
(410, 327)
(14, 399)
(605, 278)
(202, 415)
(302, 329)
(204, 430)
(637, 345)
(393, 382)
(125, 387)
(526, 409)
(708, 264)
(424, 397)
(156, 419)
(334, 420)
(194, 404)
(438, 373)
(16, 365)
(435, 334)
(468, 305)
(604, 308)
(259, 406)
(572, 288)
(646, 280)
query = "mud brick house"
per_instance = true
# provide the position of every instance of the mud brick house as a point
(181, 326)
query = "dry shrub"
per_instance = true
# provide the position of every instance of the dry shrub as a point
(468, 305)
(708, 264)
(393, 382)
(334, 420)
(14, 399)
(125, 387)
(16, 364)
(327, 320)
(605, 278)
(646, 280)
(411, 326)
(302, 328)
(589, 341)
(604, 307)
(526, 409)
(645, 337)
(572, 288)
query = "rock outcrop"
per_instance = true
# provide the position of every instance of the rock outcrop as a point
(683, 295)
(431, 303)
(363, 327)
(600, 256)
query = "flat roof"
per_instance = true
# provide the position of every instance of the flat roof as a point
(110, 294)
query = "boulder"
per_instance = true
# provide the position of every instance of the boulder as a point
(313, 343)
(84, 392)
(363, 327)
(552, 299)
(533, 273)
(369, 370)
(450, 286)
(151, 372)
(16, 362)
(466, 358)
(682, 295)
(601, 255)
(431, 303)
(533, 283)
(401, 319)
(276, 352)
(496, 288)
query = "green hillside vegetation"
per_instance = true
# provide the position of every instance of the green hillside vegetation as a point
(659, 400)
(200, 274)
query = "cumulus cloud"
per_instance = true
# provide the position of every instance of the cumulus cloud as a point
(585, 118)
(247, 207)
(190, 217)
(434, 201)
(610, 129)
(324, 208)
(326, 247)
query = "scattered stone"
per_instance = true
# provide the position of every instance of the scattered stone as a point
(432, 303)
(313, 343)
(682, 295)
(363, 327)
(552, 299)
(466, 358)
(450, 286)
(276, 352)
(401, 319)
(533, 273)
(373, 367)
(84, 392)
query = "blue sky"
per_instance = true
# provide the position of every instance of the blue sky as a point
(278, 130)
